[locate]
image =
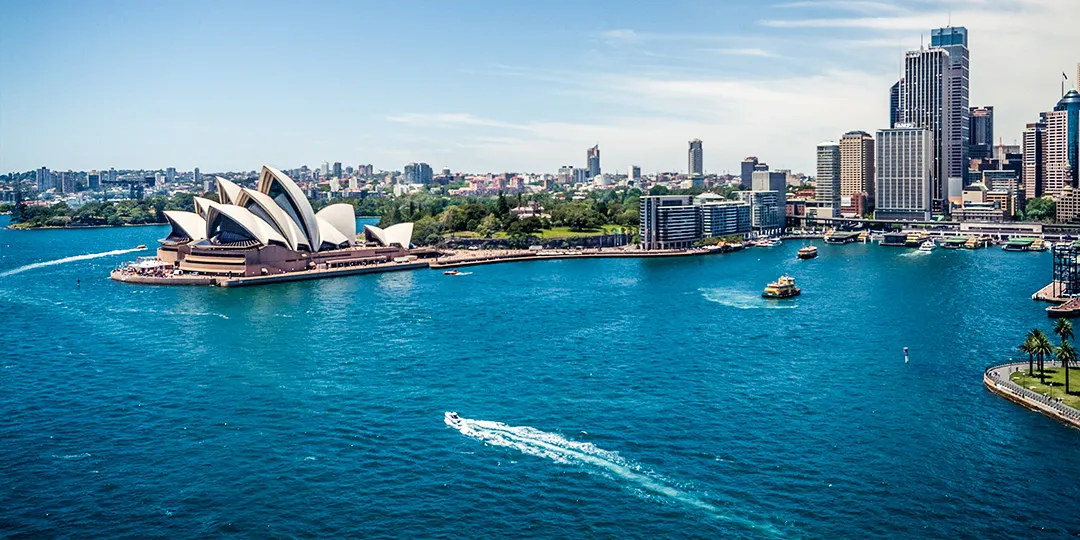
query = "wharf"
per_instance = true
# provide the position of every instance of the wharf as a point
(842, 237)
(1049, 294)
(519, 255)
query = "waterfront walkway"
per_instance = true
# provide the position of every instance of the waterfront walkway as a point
(997, 381)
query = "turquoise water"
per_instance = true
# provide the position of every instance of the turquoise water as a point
(601, 398)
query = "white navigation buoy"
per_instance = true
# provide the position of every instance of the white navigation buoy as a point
(905, 355)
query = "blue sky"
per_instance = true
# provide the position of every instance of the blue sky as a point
(488, 86)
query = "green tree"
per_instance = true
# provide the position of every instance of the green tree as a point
(1043, 349)
(1040, 209)
(1066, 355)
(1064, 329)
(1028, 347)
(488, 226)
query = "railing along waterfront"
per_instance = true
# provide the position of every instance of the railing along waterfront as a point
(1007, 385)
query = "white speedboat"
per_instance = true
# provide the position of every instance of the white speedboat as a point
(452, 419)
(928, 245)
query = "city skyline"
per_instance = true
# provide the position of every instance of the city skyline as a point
(191, 94)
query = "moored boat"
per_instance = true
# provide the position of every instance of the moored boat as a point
(784, 287)
(808, 252)
(928, 245)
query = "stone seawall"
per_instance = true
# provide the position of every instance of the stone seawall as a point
(1011, 391)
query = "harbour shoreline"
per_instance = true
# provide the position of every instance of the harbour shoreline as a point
(1027, 398)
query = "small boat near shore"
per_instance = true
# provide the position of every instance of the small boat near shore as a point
(808, 252)
(784, 287)
(928, 245)
(140, 246)
(451, 273)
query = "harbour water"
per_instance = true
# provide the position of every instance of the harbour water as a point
(599, 398)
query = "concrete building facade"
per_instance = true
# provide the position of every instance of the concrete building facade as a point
(905, 164)
(856, 173)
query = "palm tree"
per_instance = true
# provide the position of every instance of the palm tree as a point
(1043, 349)
(1028, 347)
(1066, 353)
(1064, 329)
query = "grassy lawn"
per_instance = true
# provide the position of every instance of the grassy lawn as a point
(1055, 387)
(556, 232)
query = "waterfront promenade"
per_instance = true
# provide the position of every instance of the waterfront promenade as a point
(997, 381)
(462, 258)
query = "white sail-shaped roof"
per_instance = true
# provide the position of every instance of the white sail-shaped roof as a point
(400, 234)
(292, 200)
(186, 225)
(227, 191)
(330, 235)
(342, 216)
(278, 219)
(202, 205)
(256, 228)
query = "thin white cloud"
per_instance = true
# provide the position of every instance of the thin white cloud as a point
(855, 6)
(447, 120)
(749, 51)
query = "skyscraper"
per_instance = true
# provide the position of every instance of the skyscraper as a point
(170, 175)
(747, 175)
(905, 164)
(325, 169)
(982, 133)
(1070, 105)
(954, 39)
(593, 161)
(112, 175)
(44, 179)
(828, 179)
(633, 173)
(926, 98)
(93, 181)
(896, 94)
(198, 177)
(695, 165)
(1034, 149)
(337, 169)
(418, 173)
(856, 173)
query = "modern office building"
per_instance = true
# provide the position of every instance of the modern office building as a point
(325, 170)
(112, 175)
(337, 169)
(747, 171)
(668, 222)
(723, 218)
(767, 180)
(905, 165)
(633, 173)
(593, 161)
(170, 175)
(926, 98)
(827, 190)
(856, 173)
(1034, 149)
(197, 177)
(93, 181)
(1070, 105)
(896, 103)
(954, 39)
(982, 133)
(1057, 166)
(767, 215)
(695, 161)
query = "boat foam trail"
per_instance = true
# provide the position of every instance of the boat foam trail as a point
(531, 441)
(73, 258)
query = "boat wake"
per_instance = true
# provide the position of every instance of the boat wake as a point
(73, 258)
(532, 441)
(742, 300)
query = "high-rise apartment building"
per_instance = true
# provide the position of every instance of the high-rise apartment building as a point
(1056, 166)
(1070, 105)
(747, 171)
(112, 175)
(170, 175)
(197, 177)
(592, 158)
(418, 173)
(44, 179)
(633, 173)
(767, 215)
(926, 98)
(905, 164)
(721, 218)
(982, 133)
(93, 181)
(1034, 149)
(856, 173)
(828, 179)
(325, 170)
(695, 161)
(337, 169)
(668, 222)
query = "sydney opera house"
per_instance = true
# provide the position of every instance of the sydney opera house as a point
(273, 230)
